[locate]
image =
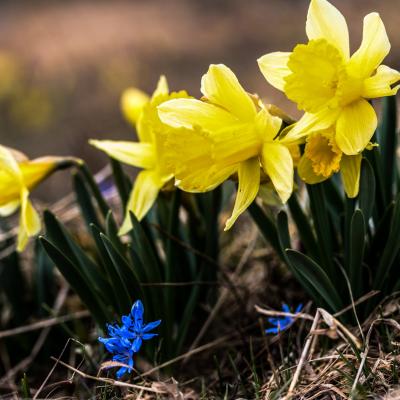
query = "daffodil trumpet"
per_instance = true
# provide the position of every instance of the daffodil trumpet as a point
(18, 177)
(148, 153)
(226, 132)
(332, 87)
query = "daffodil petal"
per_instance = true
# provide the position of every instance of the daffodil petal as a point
(274, 68)
(355, 126)
(277, 163)
(30, 217)
(375, 46)
(324, 21)
(267, 125)
(308, 123)
(192, 113)
(380, 84)
(9, 208)
(350, 168)
(205, 179)
(35, 171)
(141, 155)
(162, 88)
(29, 221)
(220, 86)
(132, 103)
(142, 197)
(9, 164)
(306, 172)
(249, 183)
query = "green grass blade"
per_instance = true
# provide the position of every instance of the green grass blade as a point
(304, 228)
(366, 197)
(391, 249)
(356, 248)
(78, 282)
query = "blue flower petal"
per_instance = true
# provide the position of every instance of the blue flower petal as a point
(137, 343)
(151, 325)
(147, 336)
(137, 311)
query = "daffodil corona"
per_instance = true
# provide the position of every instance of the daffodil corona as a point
(333, 89)
(148, 154)
(226, 132)
(18, 176)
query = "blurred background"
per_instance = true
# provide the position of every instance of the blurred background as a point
(63, 65)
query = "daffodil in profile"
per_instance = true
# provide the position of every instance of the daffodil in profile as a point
(227, 132)
(322, 158)
(18, 176)
(148, 154)
(332, 87)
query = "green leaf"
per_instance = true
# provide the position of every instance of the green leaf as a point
(88, 177)
(387, 139)
(117, 286)
(129, 286)
(316, 277)
(266, 227)
(78, 282)
(142, 246)
(366, 197)
(84, 201)
(391, 249)
(283, 231)
(121, 182)
(356, 248)
(318, 204)
(112, 233)
(58, 235)
(304, 229)
(44, 279)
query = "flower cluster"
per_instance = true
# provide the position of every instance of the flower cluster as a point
(197, 144)
(280, 324)
(125, 340)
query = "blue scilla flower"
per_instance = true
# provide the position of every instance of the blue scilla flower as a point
(282, 323)
(125, 340)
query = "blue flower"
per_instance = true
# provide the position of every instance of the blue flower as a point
(125, 340)
(282, 323)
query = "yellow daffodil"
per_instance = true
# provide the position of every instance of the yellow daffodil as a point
(148, 154)
(226, 132)
(331, 86)
(18, 176)
(322, 158)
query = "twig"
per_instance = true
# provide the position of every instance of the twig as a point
(44, 324)
(107, 380)
(271, 313)
(303, 356)
(366, 350)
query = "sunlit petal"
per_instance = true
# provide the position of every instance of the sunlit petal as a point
(249, 183)
(191, 113)
(355, 127)
(324, 21)
(350, 168)
(142, 197)
(141, 155)
(274, 68)
(277, 163)
(374, 48)
(380, 84)
(220, 86)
